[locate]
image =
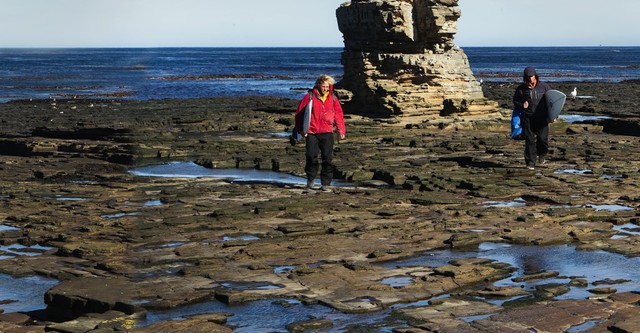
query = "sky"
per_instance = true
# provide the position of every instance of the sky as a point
(288, 23)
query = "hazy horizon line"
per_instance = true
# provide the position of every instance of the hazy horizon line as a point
(281, 47)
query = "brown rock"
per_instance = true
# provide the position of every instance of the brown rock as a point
(400, 59)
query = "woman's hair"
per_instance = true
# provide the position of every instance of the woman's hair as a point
(324, 78)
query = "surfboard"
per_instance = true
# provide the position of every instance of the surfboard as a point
(307, 115)
(555, 101)
(298, 134)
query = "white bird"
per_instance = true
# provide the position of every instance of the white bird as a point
(574, 93)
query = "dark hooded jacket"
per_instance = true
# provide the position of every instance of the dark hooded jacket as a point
(537, 108)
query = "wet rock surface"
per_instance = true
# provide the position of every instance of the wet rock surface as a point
(445, 183)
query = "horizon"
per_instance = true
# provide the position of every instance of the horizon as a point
(295, 47)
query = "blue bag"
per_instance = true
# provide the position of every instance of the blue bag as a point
(516, 128)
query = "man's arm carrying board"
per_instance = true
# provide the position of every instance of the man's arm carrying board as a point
(555, 101)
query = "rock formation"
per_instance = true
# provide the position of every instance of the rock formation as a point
(400, 59)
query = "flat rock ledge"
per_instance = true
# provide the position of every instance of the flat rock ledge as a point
(123, 246)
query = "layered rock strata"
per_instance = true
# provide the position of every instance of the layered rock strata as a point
(400, 59)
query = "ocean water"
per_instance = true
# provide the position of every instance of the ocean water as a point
(158, 73)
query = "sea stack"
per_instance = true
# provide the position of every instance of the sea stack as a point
(400, 60)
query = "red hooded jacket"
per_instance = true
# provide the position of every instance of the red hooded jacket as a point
(324, 115)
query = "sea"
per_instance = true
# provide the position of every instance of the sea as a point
(160, 73)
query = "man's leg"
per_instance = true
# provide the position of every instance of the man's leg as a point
(326, 152)
(311, 156)
(530, 153)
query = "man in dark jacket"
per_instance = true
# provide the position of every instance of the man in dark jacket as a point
(529, 97)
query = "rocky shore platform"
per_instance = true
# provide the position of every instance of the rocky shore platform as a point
(123, 245)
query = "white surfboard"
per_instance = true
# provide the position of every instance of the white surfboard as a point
(298, 134)
(307, 115)
(555, 101)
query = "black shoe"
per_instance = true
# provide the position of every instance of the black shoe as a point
(542, 160)
(326, 188)
(531, 166)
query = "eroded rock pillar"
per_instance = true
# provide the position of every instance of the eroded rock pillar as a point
(400, 59)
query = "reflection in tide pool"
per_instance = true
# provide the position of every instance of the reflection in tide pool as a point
(281, 134)
(283, 269)
(397, 281)
(22, 250)
(611, 208)
(590, 265)
(274, 315)
(626, 230)
(519, 202)
(192, 170)
(259, 316)
(27, 292)
(7, 228)
(240, 238)
(118, 215)
(574, 118)
(575, 171)
(70, 199)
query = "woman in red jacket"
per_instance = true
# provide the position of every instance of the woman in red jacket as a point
(326, 113)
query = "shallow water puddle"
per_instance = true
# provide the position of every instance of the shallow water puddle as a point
(283, 269)
(626, 230)
(169, 245)
(152, 203)
(192, 170)
(575, 118)
(611, 208)
(584, 326)
(519, 202)
(397, 281)
(118, 215)
(574, 171)
(240, 238)
(478, 317)
(273, 316)
(250, 285)
(612, 177)
(280, 134)
(22, 250)
(7, 228)
(590, 265)
(27, 292)
(70, 199)
(258, 316)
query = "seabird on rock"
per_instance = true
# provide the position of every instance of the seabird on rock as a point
(574, 93)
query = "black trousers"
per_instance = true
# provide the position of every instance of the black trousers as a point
(536, 138)
(323, 144)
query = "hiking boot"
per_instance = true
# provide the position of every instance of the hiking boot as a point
(542, 160)
(326, 188)
(309, 183)
(531, 166)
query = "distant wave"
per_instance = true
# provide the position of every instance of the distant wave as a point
(204, 77)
